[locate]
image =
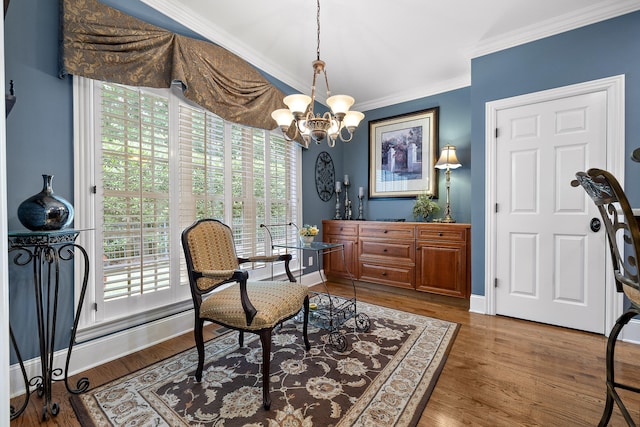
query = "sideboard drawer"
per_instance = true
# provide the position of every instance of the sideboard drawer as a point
(340, 227)
(432, 233)
(396, 275)
(387, 231)
(391, 250)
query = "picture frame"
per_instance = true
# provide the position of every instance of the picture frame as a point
(402, 154)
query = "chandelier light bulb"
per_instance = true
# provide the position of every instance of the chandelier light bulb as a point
(334, 129)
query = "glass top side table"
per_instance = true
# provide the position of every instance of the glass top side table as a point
(330, 311)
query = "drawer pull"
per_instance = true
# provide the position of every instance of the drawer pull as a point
(384, 273)
(440, 234)
(384, 250)
(385, 231)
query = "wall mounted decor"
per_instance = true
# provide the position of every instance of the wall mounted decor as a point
(325, 176)
(402, 155)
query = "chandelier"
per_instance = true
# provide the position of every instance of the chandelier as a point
(331, 125)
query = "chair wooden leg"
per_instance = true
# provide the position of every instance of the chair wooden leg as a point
(197, 332)
(265, 339)
(241, 338)
(307, 344)
(610, 367)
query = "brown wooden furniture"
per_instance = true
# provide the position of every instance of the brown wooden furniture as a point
(427, 257)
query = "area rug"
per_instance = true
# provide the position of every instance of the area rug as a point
(383, 378)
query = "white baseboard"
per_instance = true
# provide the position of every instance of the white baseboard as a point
(311, 279)
(631, 332)
(96, 352)
(101, 350)
(477, 304)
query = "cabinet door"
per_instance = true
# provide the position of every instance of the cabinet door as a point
(441, 268)
(335, 265)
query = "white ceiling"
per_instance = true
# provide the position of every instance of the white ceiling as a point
(380, 52)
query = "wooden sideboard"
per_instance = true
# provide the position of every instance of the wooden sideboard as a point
(425, 256)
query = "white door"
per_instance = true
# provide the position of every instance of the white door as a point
(550, 267)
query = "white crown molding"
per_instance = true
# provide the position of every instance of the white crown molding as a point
(415, 93)
(557, 25)
(227, 41)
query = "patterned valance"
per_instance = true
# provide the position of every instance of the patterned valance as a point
(103, 43)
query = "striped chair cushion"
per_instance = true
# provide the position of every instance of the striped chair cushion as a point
(274, 302)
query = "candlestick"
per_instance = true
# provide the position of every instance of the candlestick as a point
(360, 196)
(347, 202)
(361, 192)
(338, 186)
(338, 191)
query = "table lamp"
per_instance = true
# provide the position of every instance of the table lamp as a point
(448, 161)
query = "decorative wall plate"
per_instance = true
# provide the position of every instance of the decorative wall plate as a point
(325, 176)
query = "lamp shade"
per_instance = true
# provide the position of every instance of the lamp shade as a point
(340, 103)
(282, 116)
(352, 119)
(297, 103)
(448, 158)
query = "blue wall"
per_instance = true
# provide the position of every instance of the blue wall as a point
(601, 50)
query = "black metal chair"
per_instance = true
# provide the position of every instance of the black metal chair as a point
(246, 306)
(620, 224)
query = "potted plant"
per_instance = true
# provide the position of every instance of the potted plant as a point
(424, 207)
(308, 233)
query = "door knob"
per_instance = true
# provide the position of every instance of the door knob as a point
(595, 224)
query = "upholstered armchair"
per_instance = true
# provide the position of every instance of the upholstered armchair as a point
(621, 226)
(246, 306)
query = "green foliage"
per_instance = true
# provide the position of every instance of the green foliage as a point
(424, 207)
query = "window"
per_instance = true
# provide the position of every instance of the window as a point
(149, 163)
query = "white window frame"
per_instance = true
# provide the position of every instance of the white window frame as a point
(93, 322)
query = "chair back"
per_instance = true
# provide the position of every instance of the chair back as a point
(620, 224)
(208, 245)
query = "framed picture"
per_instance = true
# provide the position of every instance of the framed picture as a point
(402, 154)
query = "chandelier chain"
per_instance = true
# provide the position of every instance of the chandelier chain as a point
(323, 70)
(318, 32)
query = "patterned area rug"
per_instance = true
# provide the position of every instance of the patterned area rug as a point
(383, 378)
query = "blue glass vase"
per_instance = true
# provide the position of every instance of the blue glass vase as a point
(45, 211)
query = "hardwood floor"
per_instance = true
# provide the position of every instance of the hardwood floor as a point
(500, 372)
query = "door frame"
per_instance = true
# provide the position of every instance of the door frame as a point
(614, 87)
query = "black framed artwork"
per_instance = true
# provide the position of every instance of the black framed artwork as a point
(402, 155)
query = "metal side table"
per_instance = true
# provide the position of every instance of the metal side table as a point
(44, 251)
(331, 311)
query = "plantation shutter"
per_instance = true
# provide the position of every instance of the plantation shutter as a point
(254, 171)
(159, 164)
(135, 183)
(202, 166)
(283, 188)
